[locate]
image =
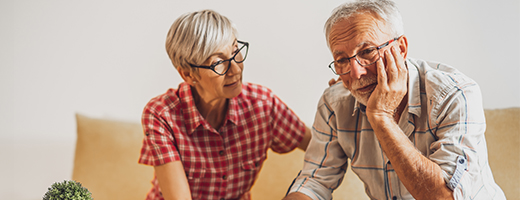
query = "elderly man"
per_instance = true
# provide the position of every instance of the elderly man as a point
(412, 129)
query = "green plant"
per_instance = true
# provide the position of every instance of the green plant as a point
(68, 190)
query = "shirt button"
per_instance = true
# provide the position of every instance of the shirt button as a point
(394, 198)
(224, 177)
(222, 199)
(461, 161)
(221, 153)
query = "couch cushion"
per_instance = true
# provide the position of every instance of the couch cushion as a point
(106, 157)
(279, 170)
(107, 152)
(503, 141)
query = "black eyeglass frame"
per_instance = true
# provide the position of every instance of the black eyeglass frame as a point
(355, 57)
(212, 67)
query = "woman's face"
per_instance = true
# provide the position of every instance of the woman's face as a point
(211, 86)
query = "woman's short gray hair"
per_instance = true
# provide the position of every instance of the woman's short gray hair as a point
(386, 10)
(194, 36)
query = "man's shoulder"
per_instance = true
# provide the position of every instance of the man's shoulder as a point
(439, 73)
(439, 80)
(337, 90)
(336, 95)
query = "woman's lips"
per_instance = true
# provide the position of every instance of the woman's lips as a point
(231, 84)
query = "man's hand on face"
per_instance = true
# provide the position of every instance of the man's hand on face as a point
(391, 87)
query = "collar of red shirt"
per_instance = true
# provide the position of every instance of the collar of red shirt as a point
(192, 114)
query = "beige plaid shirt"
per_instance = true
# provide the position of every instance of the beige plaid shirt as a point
(445, 121)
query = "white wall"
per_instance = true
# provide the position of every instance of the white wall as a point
(107, 59)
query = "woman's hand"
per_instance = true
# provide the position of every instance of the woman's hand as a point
(334, 81)
(246, 196)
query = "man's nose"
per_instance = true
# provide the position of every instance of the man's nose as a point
(356, 70)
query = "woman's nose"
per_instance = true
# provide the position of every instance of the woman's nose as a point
(234, 67)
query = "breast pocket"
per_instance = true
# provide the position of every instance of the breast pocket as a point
(196, 178)
(250, 168)
(251, 165)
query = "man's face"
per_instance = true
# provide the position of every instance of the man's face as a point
(347, 38)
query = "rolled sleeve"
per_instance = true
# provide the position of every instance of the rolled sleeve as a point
(288, 130)
(461, 150)
(312, 189)
(158, 147)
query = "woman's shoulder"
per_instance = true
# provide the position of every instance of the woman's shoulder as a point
(166, 101)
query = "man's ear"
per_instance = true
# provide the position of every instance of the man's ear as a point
(188, 76)
(403, 46)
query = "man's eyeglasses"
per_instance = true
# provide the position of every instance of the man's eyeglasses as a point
(365, 57)
(221, 67)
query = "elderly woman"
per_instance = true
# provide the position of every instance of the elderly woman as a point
(208, 138)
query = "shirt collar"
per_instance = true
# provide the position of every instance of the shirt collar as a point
(233, 108)
(414, 89)
(191, 114)
(414, 92)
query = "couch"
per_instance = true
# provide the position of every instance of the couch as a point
(107, 152)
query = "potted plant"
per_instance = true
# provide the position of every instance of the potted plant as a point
(67, 190)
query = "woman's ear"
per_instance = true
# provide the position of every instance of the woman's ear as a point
(188, 76)
(403, 46)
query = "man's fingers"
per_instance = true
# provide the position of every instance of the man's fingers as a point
(381, 73)
(391, 68)
(399, 60)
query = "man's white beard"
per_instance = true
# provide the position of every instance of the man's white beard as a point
(364, 81)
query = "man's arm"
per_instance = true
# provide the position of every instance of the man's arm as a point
(172, 180)
(422, 177)
(325, 161)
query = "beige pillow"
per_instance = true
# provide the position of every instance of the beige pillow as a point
(279, 170)
(503, 141)
(106, 158)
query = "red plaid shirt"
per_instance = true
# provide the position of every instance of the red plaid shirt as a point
(219, 164)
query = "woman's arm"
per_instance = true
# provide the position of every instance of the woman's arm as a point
(172, 181)
(306, 138)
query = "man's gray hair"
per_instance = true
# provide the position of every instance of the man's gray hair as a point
(384, 9)
(194, 36)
